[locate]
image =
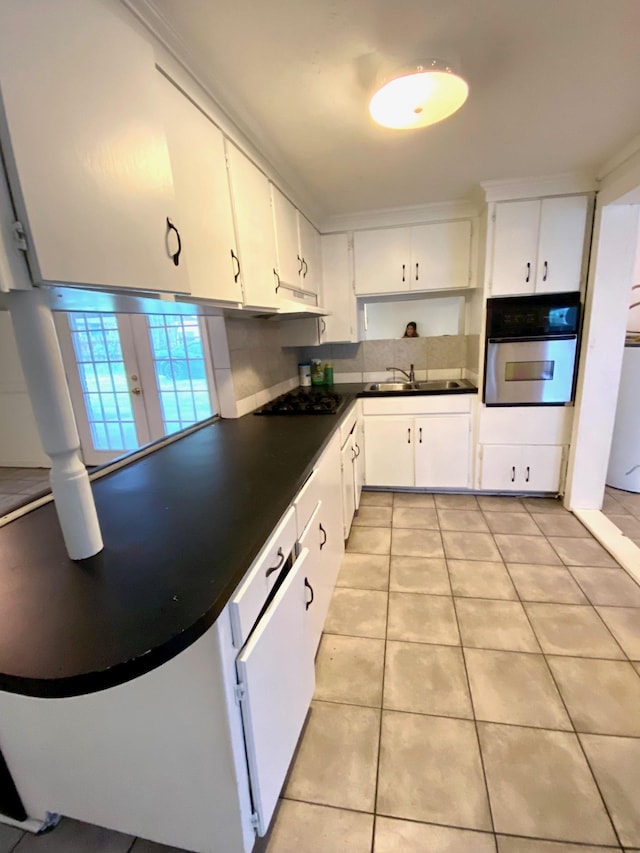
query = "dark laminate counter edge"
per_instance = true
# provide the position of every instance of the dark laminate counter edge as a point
(253, 468)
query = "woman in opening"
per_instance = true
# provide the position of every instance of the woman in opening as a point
(411, 331)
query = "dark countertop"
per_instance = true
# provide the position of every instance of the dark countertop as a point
(181, 528)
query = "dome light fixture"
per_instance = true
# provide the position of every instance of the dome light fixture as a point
(423, 94)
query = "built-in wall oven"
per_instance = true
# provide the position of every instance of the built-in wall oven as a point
(531, 349)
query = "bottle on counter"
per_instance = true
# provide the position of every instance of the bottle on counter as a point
(328, 374)
(304, 373)
(317, 372)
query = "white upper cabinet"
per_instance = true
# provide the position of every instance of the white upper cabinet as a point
(382, 260)
(310, 254)
(422, 257)
(251, 198)
(298, 245)
(538, 245)
(341, 324)
(440, 255)
(84, 142)
(285, 218)
(563, 224)
(201, 187)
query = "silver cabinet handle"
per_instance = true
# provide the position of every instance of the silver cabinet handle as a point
(528, 271)
(420, 435)
(513, 475)
(417, 271)
(409, 435)
(403, 266)
(526, 479)
(546, 270)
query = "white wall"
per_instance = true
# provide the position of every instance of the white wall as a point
(19, 441)
(612, 265)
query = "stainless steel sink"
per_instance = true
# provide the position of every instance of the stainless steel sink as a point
(391, 386)
(428, 385)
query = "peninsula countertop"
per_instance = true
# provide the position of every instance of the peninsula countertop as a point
(181, 527)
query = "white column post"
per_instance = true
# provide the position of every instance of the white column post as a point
(41, 361)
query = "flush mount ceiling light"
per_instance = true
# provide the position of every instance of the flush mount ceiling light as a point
(423, 94)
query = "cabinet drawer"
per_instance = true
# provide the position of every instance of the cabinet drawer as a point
(306, 501)
(433, 404)
(252, 593)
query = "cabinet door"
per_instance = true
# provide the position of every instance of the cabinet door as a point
(499, 467)
(348, 485)
(382, 260)
(337, 294)
(251, 200)
(440, 255)
(319, 586)
(560, 252)
(358, 462)
(540, 468)
(201, 185)
(388, 449)
(285, 218)
(310, 253)
(276, 669)
(84, 144)
(515, 247)
(442, 451)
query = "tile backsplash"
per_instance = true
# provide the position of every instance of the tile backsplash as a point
(365, 361)
(256, 368)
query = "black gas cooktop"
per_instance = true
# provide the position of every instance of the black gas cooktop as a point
(303, 402)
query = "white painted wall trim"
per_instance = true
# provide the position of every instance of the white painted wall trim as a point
(621, 185)
(607, 299)
(568, 183)
(394, 216)
(610, 537)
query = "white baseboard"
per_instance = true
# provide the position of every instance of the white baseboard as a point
(610, 537)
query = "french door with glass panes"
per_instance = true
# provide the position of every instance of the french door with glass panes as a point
(134, 378)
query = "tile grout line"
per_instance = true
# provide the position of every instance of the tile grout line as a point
(575, 732)
(473, 712)
(384, 666)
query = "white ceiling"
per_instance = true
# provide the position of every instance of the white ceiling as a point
(554, 87)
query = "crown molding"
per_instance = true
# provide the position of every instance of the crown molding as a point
(236, 124)
(567, 183)
(394, 216)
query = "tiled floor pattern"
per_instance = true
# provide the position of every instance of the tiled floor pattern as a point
(623, 508)
(18, 485)
(478, 691)
(478, 688)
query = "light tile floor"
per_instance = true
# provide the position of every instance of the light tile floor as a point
(477, 691)
(478, 687)
(19, 485)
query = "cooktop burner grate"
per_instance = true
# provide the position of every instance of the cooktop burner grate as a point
(302, 402)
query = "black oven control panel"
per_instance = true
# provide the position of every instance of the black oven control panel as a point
(544, 315)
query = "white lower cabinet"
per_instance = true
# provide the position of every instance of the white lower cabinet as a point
(521, 468)
(428, 446)
(389, 456)
(352, 466)
(275, 699)
(442, 451)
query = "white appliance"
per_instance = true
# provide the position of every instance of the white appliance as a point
(624, 462)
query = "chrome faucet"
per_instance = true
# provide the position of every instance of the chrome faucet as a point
(411, 375)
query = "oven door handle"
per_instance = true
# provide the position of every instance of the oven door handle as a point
(532, 338)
